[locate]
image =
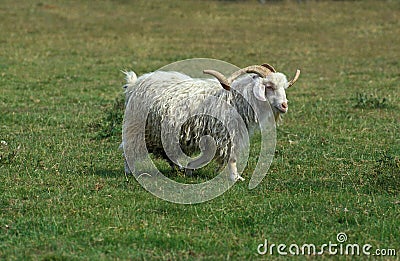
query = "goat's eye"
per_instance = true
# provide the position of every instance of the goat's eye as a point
(269, 87)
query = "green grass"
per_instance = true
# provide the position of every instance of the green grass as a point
(63, 194)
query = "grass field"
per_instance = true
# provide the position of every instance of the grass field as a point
(63, 194)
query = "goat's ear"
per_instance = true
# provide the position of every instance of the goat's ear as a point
(259, 92)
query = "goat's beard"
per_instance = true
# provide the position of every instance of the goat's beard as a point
(278, 117)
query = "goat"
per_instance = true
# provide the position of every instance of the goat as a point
(170, 98)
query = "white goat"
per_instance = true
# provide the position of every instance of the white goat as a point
(165, 91)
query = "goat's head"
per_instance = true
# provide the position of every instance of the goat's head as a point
(270, 85)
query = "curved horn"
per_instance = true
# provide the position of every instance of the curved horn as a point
(268, 66)
(220, 77)
(291, 82)
(258, 69)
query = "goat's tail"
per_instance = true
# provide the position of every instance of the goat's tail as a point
(130, 78)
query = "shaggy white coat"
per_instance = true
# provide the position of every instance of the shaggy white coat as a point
(173, 97)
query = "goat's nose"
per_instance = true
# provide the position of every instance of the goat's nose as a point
(284, 105)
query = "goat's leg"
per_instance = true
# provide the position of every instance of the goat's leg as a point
(195, 164)
(234, 175)
(126, 166)
(208, 148)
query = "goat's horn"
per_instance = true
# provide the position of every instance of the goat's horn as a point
(258, 69)
(291, 82)
(268, 66)
(220, 77)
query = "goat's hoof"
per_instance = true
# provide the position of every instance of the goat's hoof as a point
(237, 178)
(188, 172)
(240, 178)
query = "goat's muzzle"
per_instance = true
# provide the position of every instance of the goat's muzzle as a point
(282, 108)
